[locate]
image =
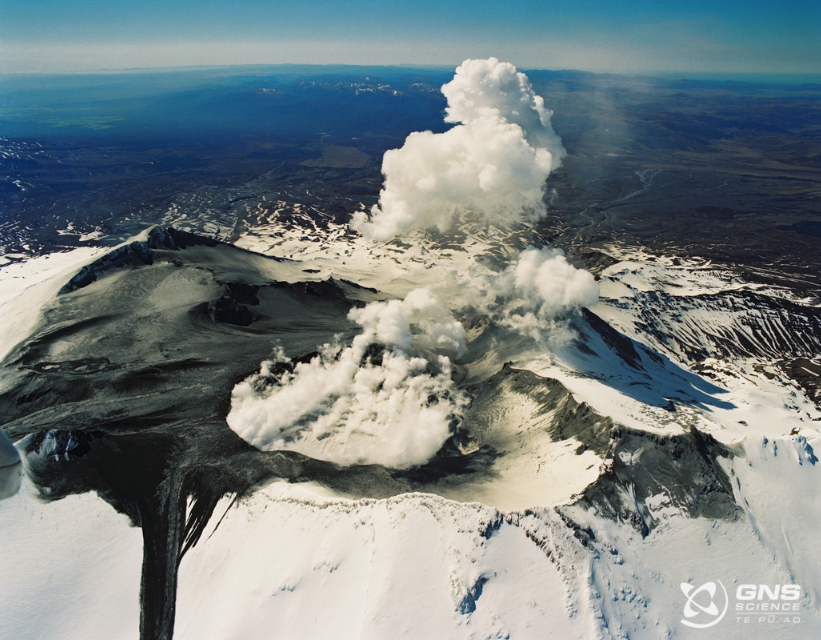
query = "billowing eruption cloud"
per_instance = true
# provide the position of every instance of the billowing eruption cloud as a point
(494, 163)
(379, 400)
(541, 287)
(482, 86)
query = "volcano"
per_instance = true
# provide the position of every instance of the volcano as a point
(512, 424)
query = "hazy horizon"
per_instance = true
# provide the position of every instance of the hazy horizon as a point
(286, 68)
(755, 37)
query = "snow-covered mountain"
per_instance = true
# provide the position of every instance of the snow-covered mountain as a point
(595, 467)
(421, 421)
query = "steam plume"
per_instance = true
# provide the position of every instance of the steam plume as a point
(540, 287)
(494, 164)
(380, 400)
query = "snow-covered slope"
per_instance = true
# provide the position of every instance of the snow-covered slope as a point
(27, 285)
(407, 567)
(598, 465)
(71, 569)
(418, 565)
(693, 309)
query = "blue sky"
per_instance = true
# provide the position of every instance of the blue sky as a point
(696, 36)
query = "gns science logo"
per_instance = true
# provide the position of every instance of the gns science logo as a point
(707, 605)
(701, 610)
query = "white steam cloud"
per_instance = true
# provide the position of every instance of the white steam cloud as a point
(487, 86)
(377, 401)
(494, 163)
(539, 288)
(389, 397)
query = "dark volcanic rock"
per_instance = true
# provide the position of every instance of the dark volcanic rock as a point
(233, 306)
(680, 470)
(136, 253)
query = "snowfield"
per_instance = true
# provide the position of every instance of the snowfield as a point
(71, 569)
(422, 566)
